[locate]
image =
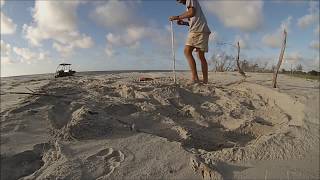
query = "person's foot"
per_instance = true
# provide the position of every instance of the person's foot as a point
(192, 82)
(205, 82)
(195, 81)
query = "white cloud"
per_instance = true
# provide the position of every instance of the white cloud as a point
(132, 37)
(288, 2)
(245, 15)
(61, 16)
(115, 14)
(274, 40)
(113, 39)
(11, 54)
(314, 45)
(5, 48)
(83, 42)
(129, 38)
(57, 21)
(306, 20)
(2, 2)
(28, 56)
(6, 60)
(7, 24)
(292, 58)
(127, 30)
(109, 51)
(65, 50)
(131, 30)
(312, 17)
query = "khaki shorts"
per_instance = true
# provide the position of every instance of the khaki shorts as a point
(198, 40)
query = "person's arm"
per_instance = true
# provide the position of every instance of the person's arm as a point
(188, 14)
(184, 23)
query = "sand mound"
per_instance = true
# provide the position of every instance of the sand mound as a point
(85, 125)
(230, 123)
(192, 115)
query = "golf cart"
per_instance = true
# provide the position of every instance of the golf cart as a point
(64, 70)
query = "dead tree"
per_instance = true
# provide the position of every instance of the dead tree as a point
(222, 62)
(275, 73)
(238, 61)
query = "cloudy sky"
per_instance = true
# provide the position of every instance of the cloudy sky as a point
(135, 34)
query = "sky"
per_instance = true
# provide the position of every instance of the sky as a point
(109, 35)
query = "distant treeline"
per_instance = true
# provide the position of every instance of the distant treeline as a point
(311, 73)
(227, 63)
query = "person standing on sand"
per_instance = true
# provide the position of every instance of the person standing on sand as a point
(198, 36)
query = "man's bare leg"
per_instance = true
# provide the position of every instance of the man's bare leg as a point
(188, 53)
(204, 65)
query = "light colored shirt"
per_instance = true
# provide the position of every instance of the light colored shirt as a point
(198, 23)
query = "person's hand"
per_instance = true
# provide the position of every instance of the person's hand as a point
(180, 22)
(173, 18)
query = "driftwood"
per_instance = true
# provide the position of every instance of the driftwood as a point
(37, 94)
(238, 61)
(275, 73)
(29, 89)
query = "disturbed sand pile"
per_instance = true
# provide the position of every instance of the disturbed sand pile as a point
(112, 126)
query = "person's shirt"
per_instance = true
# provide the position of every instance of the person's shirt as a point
(198, 22)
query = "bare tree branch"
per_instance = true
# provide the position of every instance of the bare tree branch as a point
(275, 73)
(238, 61)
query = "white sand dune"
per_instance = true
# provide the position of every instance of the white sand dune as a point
(111, 126)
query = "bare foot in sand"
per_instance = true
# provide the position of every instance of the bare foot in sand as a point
(192, 82)
(204, 81)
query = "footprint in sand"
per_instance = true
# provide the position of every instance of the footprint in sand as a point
(103, 163)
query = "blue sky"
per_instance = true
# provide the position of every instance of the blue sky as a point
(119, 35)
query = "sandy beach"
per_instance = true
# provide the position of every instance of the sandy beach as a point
(109, 125)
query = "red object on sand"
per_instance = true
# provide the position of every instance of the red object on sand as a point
(145, 79)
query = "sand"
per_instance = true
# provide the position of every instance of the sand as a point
(112, 126)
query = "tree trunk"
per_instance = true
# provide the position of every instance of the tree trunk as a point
(238, 62)
(275, 73)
